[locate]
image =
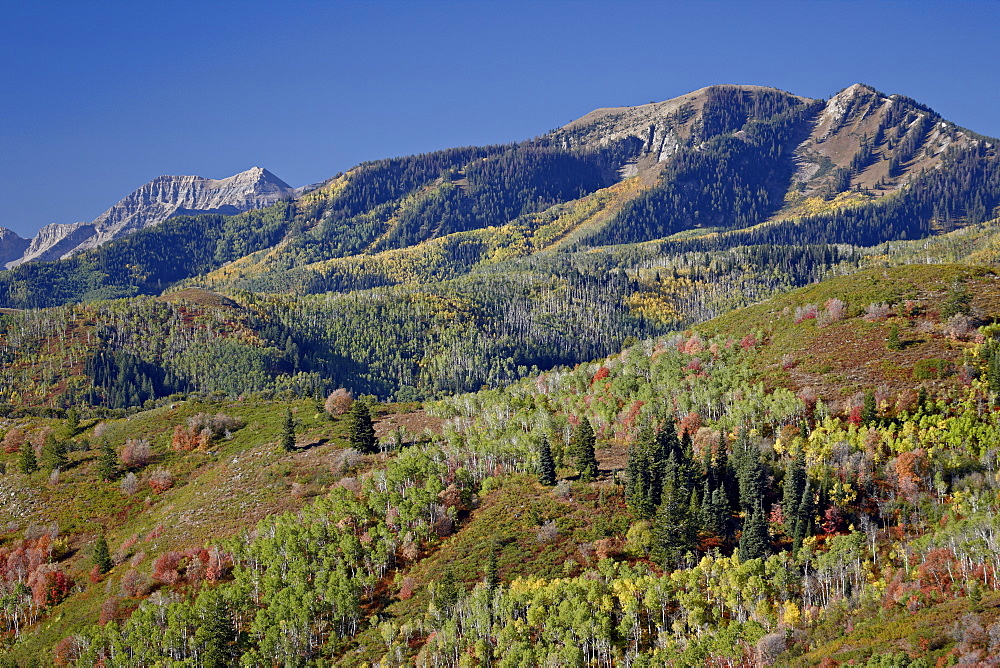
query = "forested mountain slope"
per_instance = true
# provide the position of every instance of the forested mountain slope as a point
(721, 167)
(686, 501)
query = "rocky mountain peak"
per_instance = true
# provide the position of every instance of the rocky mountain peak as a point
(12, 246)
(151, 204)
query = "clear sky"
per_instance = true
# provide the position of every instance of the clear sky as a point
(98, 97)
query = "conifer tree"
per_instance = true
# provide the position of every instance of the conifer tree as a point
(583, 444)
(892, 341)
(750, 472)
(72, 425)
(795, 483)
(869, 412)
(754, 541)
(803, 517)
(361, 430)
(546, 466)
(217, 633)
(288, 432)
(642, 484)
(102, 555)
(54, 453)
(107, 465)
(27, 460)
(492, 576)
(672, 530)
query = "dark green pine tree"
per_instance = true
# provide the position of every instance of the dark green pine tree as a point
(107, 465)
(217, 633)
(72, 424)
(361, 430)
(754, 542)
(583, 445)
(288, 432)
(795, 484)
(102, 555)
(869, 412)
(546, 466)
(672, 527)
(803, 518)
(54, 453)
(641, 491)
(751, 475)
(892, 341)
(26, 459)
(492, 575)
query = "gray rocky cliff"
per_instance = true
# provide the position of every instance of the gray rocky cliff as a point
(153, 203)
(11, 246)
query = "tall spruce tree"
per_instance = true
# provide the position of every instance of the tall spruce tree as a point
(27, 461)
(642, 471)
(361, 430)
(102, 555)
(672, 528)
(546, 466)
(754, 542)
(107, 465)
(583, 444)
(803, 517)
(794, 485)
(54, 453)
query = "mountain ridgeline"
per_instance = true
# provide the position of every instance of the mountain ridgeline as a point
(633, 220)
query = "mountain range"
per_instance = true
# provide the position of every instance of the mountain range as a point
(150, 205)
(720, 168)
(710, 381)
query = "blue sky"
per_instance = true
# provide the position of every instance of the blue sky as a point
(101, 97)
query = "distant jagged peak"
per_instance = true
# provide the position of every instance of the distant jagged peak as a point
(12, 246)
(154, 202)
(6, 235)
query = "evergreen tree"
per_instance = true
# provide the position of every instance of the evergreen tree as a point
(869, 412)
(72, 425)
(107, 465)
(546, 467)
(216, 633)
(492, 575)
(288, 432)
(27, 460)
(754, 540)
(795, 483)
(54, 453)
(803, 517)
(102, 555)
(751, 474)
(361, 430)
(892, 342)
(641, 489)
(446, 592)
(583, 444)
(672, 530)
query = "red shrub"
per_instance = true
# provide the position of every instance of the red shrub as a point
(168, 567)
(161, 480)
(136, 453)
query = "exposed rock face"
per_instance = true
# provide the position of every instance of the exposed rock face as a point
(53, 241)
(880, 141)
(11, 246)
(153, 203)
(662, 127)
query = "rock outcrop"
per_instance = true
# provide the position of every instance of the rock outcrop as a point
(150, 205)
(11, 246)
